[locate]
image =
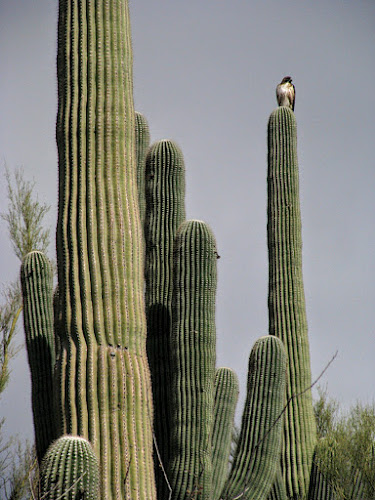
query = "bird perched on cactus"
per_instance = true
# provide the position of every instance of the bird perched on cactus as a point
(286, 93)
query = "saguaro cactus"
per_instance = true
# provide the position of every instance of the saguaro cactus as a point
(225, 400)
(257, 456)
(193, 359)
(105, 390)
(165, 202)
(70, 471)
(286, 301)
(142, 141)
(103, 385)
(36, 281)
(193, 409)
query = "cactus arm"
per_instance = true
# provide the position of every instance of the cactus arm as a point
(105, 388)
(257, 457)
(142, 141)
(225, 400)
(193, 361)
(165, 211)
(69, 470)
(36, 283)
(286, 302)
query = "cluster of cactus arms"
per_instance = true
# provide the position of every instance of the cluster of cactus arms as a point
(127, 399)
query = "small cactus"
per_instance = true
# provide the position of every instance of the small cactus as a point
(70, 471)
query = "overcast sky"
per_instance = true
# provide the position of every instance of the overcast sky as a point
(205, 73)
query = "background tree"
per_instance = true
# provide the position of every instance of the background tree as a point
(346, 448)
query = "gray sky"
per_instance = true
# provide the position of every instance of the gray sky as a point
(205, 74)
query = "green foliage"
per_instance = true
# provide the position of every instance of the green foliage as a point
(17, 463)
(24, 216)
(10, 309)
(325, 410)
(346, 448)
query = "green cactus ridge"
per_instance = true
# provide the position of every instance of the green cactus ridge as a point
(104, 381)
(165, 211)
(278, 491)
(36, 283)
(225, 401)
(256, 460)
(193, 361)
(142, 141)
(70, 470)
(286, 302)
(319, 487)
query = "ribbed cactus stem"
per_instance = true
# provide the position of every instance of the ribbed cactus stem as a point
(257, 457)
(193, 361)
(286, 301)
(70, 471)
(36, 282)
(225, 400)
(165, 211)
(105, 389)
(320, 487)
(278, 491)
(142, 142)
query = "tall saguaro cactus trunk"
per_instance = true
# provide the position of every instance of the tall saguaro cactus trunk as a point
(105, 391)
(286, 301)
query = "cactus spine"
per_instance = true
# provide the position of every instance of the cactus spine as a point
(70, 471)
(286, 302)
(105, 390)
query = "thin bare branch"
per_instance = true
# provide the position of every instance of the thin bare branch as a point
(162, 466)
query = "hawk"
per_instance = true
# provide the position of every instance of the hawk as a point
(286, 93)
